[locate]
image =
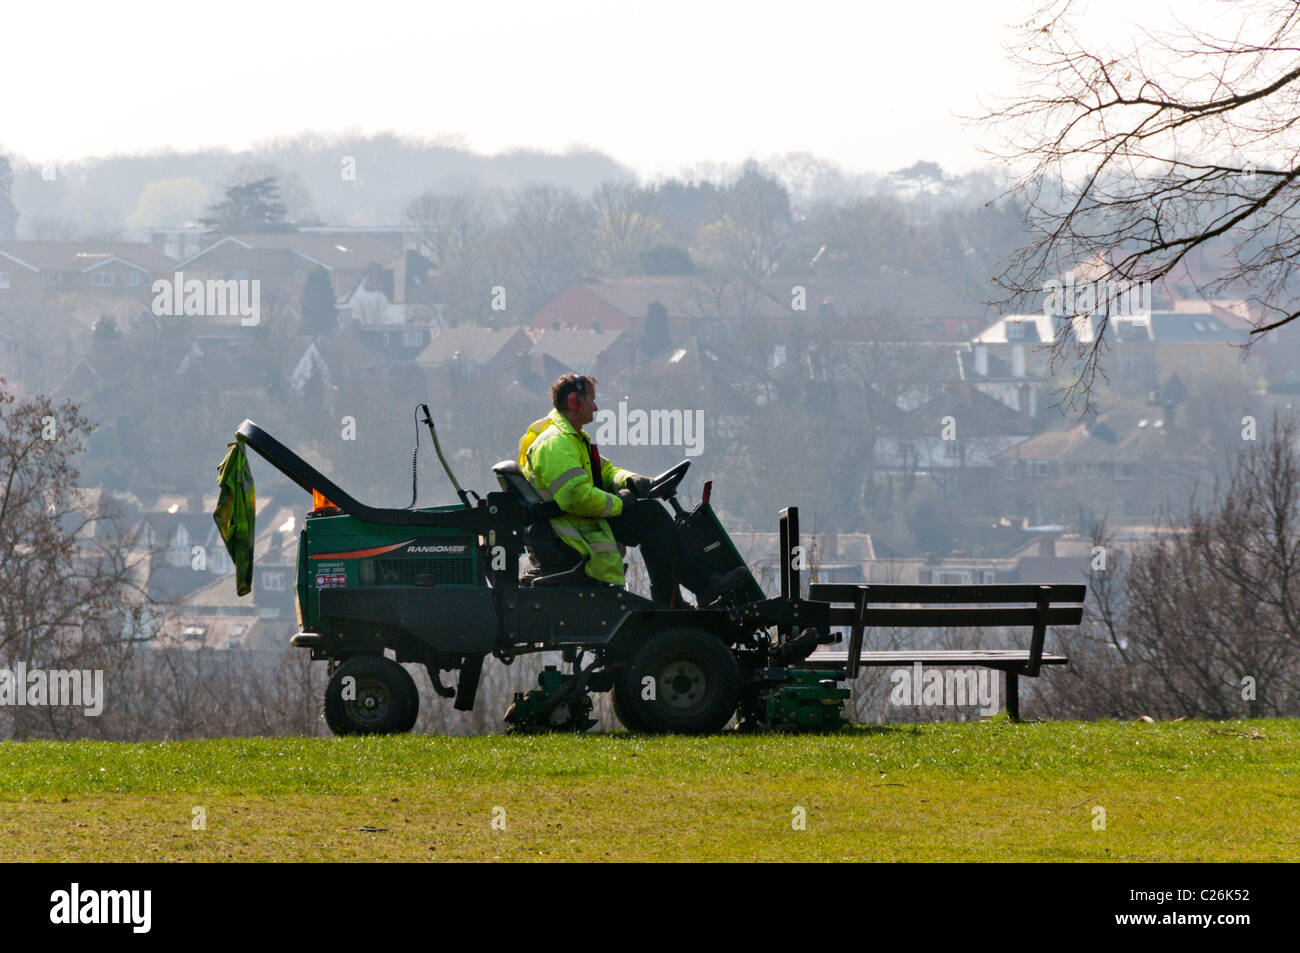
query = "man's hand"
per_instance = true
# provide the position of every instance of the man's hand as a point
(640, 485)
(628, 498)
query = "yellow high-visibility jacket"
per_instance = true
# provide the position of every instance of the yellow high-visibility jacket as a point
(556, 459)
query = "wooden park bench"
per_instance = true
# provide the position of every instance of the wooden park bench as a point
(859, 606)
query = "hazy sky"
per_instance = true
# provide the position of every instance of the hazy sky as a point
(658, 86)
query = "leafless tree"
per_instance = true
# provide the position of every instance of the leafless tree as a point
(1160, 156)
(549, 237)
(71, 591)
(445, 225)
(720, 295)
(1203, 621)
(750, 234)
(625, 226)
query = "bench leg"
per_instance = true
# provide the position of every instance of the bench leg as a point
(1013, 695)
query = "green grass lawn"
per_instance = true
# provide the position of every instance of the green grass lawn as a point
(1191, 791)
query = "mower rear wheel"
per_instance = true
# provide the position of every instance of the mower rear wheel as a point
(370, 695)
(695, 681)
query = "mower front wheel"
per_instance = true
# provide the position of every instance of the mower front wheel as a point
(370, 695)
(682, 680)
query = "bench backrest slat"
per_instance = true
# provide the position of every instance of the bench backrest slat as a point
(926, 617)
(939, 594)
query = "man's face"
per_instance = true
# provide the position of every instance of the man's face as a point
(587, 408)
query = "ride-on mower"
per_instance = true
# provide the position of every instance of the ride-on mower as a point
(441, 587)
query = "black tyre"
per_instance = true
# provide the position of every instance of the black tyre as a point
(696, 684)
(381, 697)
(625, 709)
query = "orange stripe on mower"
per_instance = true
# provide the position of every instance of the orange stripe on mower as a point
(362, 553)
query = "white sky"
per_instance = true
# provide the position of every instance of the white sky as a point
(658, 86)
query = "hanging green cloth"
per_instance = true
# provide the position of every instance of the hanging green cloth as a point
(236, 513)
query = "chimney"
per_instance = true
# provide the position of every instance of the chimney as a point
(981, 360)
(1025, 400)
(1017, 360)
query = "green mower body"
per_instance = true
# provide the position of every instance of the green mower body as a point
(441, 587)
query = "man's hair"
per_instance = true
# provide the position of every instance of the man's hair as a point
(570, 384)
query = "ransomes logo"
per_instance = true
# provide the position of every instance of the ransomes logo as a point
(457, 549)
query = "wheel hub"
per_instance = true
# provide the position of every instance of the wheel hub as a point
(372, 703)
(682, 684)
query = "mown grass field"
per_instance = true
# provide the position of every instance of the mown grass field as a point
(991, 791)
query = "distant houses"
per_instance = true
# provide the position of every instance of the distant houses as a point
(909, 379)
(49, 269)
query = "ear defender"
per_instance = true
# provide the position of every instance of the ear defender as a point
(574, 401)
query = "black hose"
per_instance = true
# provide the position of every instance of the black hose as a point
(415, 461)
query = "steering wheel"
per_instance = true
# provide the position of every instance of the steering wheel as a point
(665, 484)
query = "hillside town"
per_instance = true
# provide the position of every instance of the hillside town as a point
(891, 396)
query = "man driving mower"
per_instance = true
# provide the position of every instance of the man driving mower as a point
(604, 505)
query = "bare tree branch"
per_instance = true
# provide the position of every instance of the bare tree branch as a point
(1177, 154)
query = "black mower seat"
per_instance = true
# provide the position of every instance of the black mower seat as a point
(512, 480)
(555, 561)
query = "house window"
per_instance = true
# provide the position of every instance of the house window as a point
(952, 449)
(102, 279)
(989, 576)
(1040, 468)
(1126, 471)
(1015, 330)
(273, 581)
(411, 339)
(132, 279)
(4, 279)
(52, 278)
(1013, 470)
